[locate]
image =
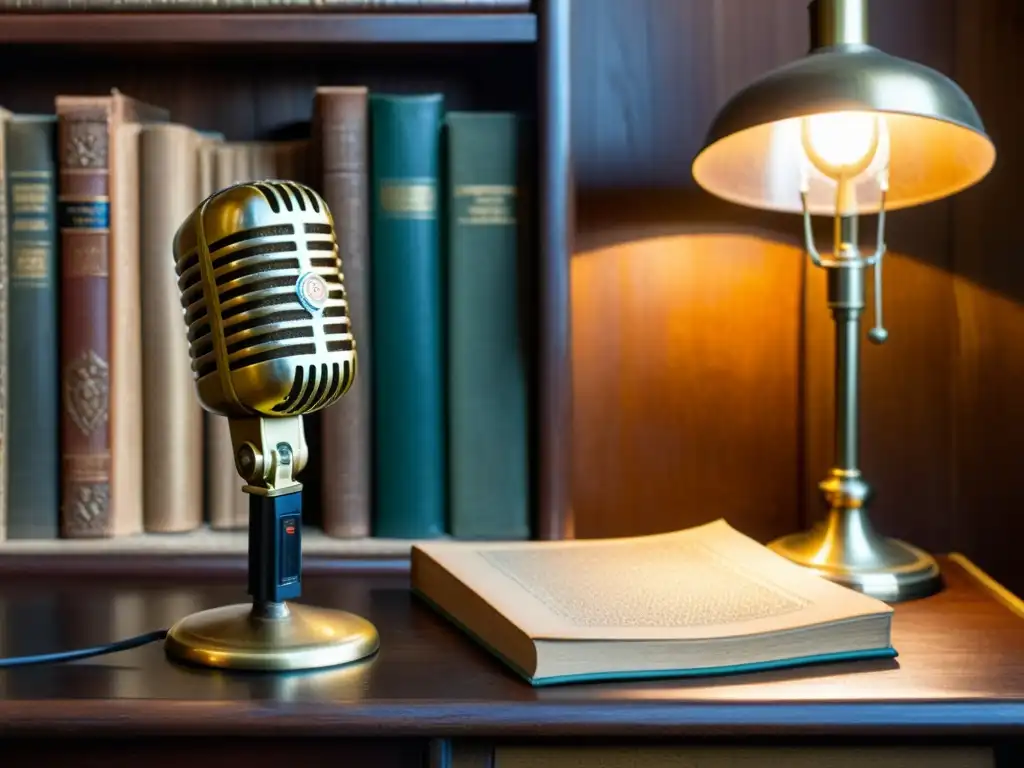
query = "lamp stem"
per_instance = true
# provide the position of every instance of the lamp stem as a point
(838, 22)
(844, 546)
(846, 300)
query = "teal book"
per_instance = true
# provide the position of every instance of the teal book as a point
(407, 308)
(698, 602)
(487, 409)
(33, 470)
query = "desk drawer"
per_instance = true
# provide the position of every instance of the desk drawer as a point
(258, 751)
(743, 757)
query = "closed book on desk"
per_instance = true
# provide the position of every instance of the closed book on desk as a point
(703, 601)
(406, 317)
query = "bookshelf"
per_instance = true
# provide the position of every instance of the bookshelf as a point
(268, 28)
(252, 76)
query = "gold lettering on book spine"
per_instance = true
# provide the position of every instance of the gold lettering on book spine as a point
(408, 199)
(83, 257)
(486, 204)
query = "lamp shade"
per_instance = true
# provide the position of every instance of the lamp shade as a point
(937, 144)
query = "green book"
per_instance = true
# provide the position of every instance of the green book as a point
(488, 484)
(406, 316)
(703, 601)
(33, 328)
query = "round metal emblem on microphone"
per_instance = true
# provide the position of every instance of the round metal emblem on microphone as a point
(312, 292)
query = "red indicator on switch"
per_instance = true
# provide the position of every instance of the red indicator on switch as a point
(290, 529)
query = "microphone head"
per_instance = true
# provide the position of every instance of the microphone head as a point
(264, 301)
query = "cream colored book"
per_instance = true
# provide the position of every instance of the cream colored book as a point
(172, 417)
(707, 600)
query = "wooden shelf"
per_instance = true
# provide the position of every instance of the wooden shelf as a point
(203, 552)
(204, 541)
(266, 28)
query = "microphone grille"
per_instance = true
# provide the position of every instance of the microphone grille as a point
(277, 298)
(315, 387)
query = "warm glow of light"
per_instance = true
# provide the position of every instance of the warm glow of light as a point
(846, 143)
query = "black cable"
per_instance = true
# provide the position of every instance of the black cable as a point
(83, 653)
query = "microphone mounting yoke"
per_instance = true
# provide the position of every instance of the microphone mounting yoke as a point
(269, 453)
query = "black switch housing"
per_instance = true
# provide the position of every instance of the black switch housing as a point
(275, 547)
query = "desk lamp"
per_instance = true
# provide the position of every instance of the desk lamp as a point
(847, 130)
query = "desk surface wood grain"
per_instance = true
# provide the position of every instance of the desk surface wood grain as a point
(960, 672)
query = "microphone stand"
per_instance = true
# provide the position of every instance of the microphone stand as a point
(272, 634)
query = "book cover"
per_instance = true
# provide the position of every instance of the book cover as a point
(703, 601)
(227, 507)
(101, 326)
(407, 317)
(172, 416)
(488, 467)
(341, 125)
(33, 380)
(4, 340)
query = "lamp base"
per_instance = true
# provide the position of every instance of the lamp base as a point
(845, 550)
(275, 637)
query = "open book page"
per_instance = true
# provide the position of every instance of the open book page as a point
(706, 582)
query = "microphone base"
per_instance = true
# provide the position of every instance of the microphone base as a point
(276, 637)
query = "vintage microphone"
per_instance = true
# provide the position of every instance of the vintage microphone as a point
(269, 337)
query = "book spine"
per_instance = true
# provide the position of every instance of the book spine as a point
(341, 128)
(127, 495)
(205, 170)
(263, 161)
(278, 6)
(84, 220)
(33, 380)
(487, 388)
(172, 418)
(4, 329)
(292, 160)
(408, 370)
(227, 506)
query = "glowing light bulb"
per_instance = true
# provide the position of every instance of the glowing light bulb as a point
(845, 144)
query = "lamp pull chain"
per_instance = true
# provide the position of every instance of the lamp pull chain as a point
(878, 334)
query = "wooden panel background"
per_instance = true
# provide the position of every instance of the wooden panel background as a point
(702, 345)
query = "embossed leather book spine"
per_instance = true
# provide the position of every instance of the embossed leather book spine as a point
(33, 381)
(101, 364)
(340, 130)
(84, 220)
(173, 418)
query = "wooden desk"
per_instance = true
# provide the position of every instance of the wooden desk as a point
(431, 693)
